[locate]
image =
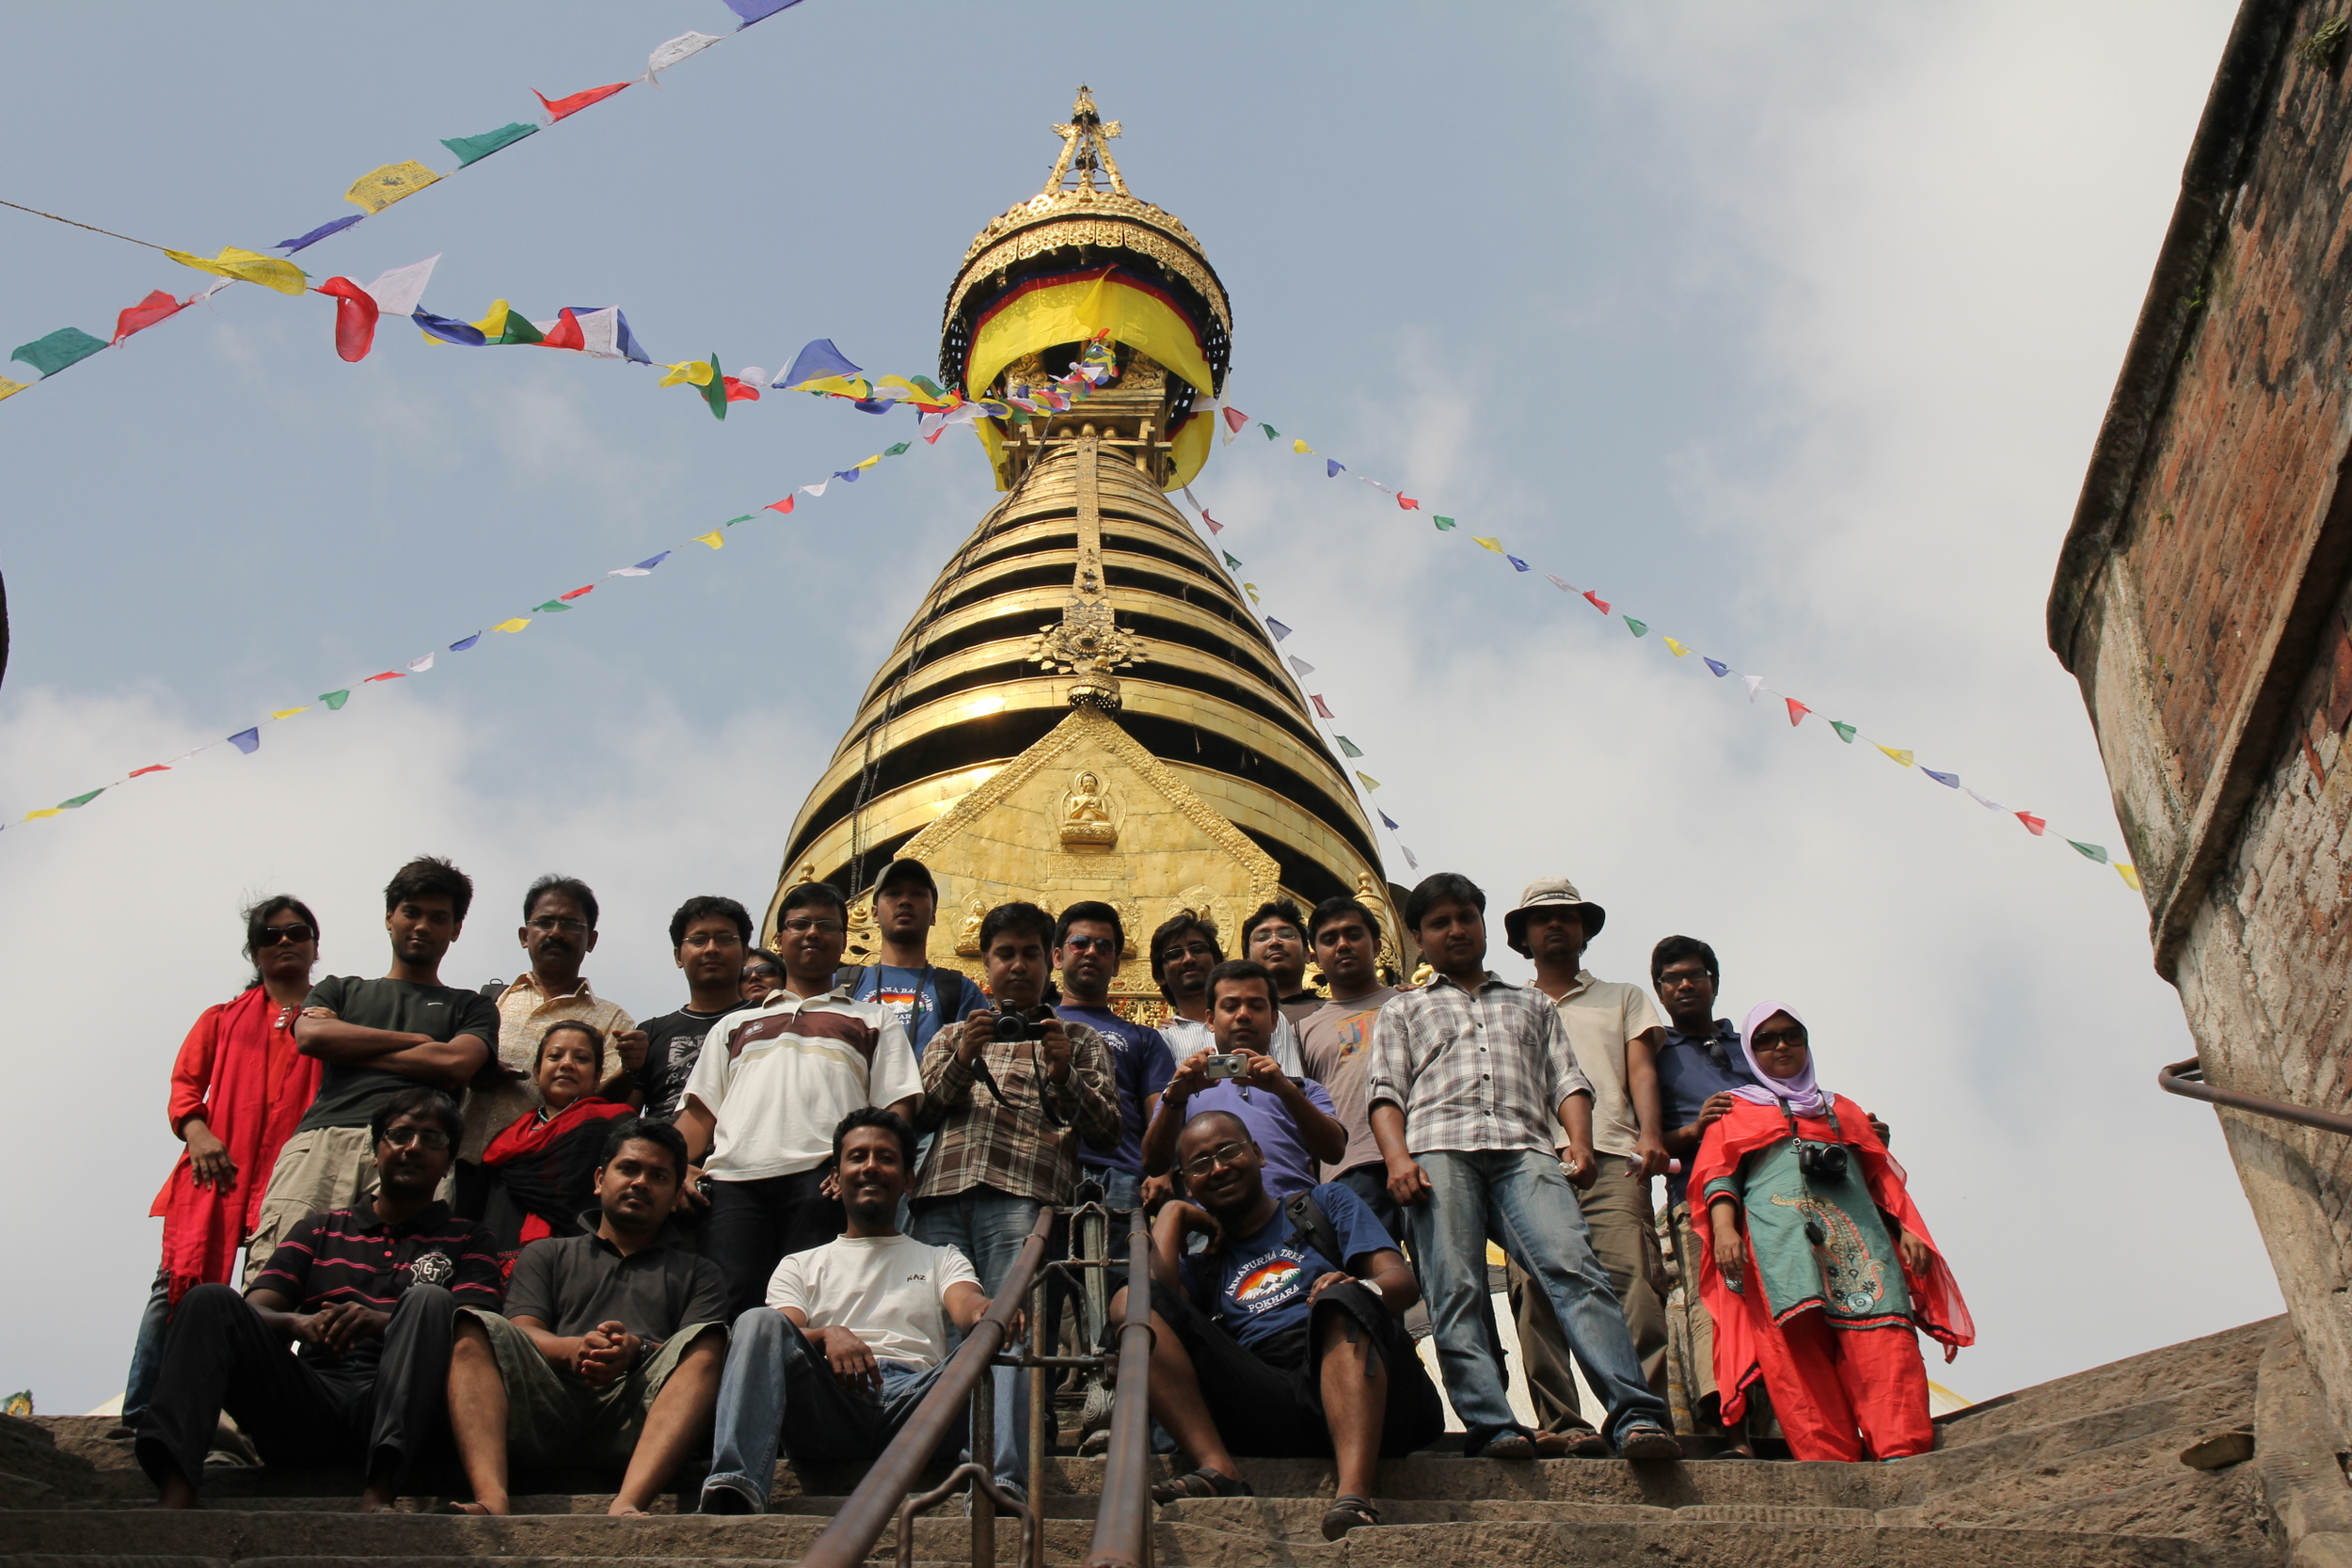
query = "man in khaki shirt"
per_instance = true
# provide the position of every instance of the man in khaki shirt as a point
(1614, 1032)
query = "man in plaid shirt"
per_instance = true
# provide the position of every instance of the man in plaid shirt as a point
(1470, 1078)
(1005, 1112)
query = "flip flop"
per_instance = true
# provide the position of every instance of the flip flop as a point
(1346, 1511)
(1510, 1445)
(1203, 1482)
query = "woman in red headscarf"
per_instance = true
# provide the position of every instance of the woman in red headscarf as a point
(1815, 1263)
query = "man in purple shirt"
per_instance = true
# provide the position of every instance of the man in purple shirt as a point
(1291, 1119)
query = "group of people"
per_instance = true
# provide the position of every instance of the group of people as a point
(766, 1219)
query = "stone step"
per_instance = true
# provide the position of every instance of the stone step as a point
(2231, 1355)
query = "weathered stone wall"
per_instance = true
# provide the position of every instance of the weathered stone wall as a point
(2202, 603)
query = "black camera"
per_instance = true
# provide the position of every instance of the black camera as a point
(1823, 1162)
(1014, 1025)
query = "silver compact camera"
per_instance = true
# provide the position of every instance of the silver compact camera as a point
(1222, 1063)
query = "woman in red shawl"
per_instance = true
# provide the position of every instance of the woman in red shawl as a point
(544, 1167)
(237, 1090)
(1818, 1271)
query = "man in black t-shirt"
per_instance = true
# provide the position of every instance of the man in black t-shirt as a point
(376, 1039)
(708, 936)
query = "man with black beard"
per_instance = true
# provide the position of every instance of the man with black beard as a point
(854, 1335)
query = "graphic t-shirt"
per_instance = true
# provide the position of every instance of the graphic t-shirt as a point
(917, 996)
(890, 1291)
(1140, 1066)
(779, 1077)
(1335, 1043)
(1262, 1280)
(348, 1096)
(673, 1043)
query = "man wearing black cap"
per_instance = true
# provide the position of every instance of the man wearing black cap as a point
(906, 906)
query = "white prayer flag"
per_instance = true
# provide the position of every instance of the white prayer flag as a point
(399, 290)
(418, 665)
(667, 54)
(1756, 684)
(1302, 665)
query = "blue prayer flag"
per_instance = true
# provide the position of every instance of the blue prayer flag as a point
(847, 476)
(1390, 820)
(1949, 780)
(648, 564)
(819, 358)
(464, 334)
(315, 236)
(1332, 468)
(759, 11)
(1717, 665)
(1515, 562)
(247, 741)
(876, 406)
(1279, 630)
(462, 644)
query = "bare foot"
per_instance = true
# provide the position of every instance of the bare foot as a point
(617, 1512)
(176, 1493)
(475, 1510)
(376, 1500)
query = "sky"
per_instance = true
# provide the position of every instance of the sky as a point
(1787, 329)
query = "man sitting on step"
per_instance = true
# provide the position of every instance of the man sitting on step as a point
(1298, 1351)
(610, 1351)
(368, 1294)
(854, 1335)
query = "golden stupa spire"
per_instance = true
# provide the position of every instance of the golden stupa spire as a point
(1085, 150)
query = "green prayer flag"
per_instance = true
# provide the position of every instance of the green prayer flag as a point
(931, 388)
(1229, 560)
(715, 394)
(80, 800)
(1270, 431)
(520, 330)
(1443, 523)
(1845, 732)
(335, 698)
(731, 521)
(67, 345)
(2090, 852)
(896, 451)
(1640, 629)
(472, 149)
(1348, 748)
(551, 606)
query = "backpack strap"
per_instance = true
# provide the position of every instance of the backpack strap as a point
(1312, 1227)
(851, 975)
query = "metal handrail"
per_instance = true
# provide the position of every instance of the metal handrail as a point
(852, 1534)
(2187, 1080)
(1123, 1535)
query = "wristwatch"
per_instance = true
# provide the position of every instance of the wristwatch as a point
(1373, 1286)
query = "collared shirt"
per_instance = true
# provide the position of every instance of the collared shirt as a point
(351, 1254)
(778, 1077)
(1477, 1071)
(525, 1013)
(1187, 1037)
(573, 1283)
(1020, 1144)
(1601, 1017)
(1687, 1074)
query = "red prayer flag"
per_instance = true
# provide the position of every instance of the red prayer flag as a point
(151, 767)
(388, 675)
(146, 313)
(782, 508)
(1215, 527)
(576, 592)
(740, 390)
(1797, 711)
(1598, 603)
(559, 108)
(2033, 824)
(1320, 710)
(355, 317)
(566, 334)
(1234, 418)
(1405, 503)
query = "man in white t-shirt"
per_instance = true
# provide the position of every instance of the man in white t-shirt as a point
(854, 1335)
(772, 1083)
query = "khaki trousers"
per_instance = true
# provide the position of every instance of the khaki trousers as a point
(1623, 1227)
(327, 1167)
(1700, 1322)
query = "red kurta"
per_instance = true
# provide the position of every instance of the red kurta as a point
(240, 1071)
(1743, 1320)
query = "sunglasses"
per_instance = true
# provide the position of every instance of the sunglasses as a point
(761, 972)
(270, 936)
(1092, 945)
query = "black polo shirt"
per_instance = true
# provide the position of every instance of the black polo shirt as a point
(573, 1283)
(351, 1254)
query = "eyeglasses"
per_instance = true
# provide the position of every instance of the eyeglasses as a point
(1223, 1154)
(711, 939)
(1092, 945)
(424, 1137)
(820, 928)
(557, 923)
(270, 936)
(1190, 950)
(1676, 982)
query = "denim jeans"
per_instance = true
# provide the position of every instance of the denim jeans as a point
(147, 1350)
(1524, 1201)
(989, 1227)
(772, 1375)
(1122, 1189)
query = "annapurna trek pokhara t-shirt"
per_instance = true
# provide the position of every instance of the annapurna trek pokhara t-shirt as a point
(1262, 1281)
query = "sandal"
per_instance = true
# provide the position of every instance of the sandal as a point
(1508, 1445)
(1573, 1443)
(1203, 1482)
(1346, 1511)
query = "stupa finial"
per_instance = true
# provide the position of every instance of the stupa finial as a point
(1085, 150)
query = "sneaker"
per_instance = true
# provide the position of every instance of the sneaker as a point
(1647, 1440)
(727, 1499)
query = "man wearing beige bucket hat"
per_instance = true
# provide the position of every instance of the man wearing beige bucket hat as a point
(1614, 1032)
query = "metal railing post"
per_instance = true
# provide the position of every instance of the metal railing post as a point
(2187, 1080)
(1040, 1406)
(1122, 1532)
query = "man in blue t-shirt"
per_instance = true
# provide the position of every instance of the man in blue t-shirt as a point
(1283, 1337)
(906, 906)
(1088, 944)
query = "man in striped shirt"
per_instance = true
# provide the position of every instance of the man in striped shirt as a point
(1470, 1079)
(370, 1296)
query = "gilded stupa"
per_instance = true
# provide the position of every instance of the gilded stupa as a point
(1084, 707)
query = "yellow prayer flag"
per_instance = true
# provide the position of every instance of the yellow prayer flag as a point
(9, 388)
(1250, 588)
(1370, 783)
(1494, 545)
(46, 810)
(494, 325)
(1903, 758)
(2129, 874)
(694, 371)
(518, 624)
(871, 460)
(380, 187)
(249, 266)
(1679, 649)
(1302, 448)
(715, 539)
(289, 712)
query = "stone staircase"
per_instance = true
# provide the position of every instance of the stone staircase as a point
(2085, 1472)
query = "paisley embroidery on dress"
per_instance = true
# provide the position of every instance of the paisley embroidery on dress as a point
(1851, 1282)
